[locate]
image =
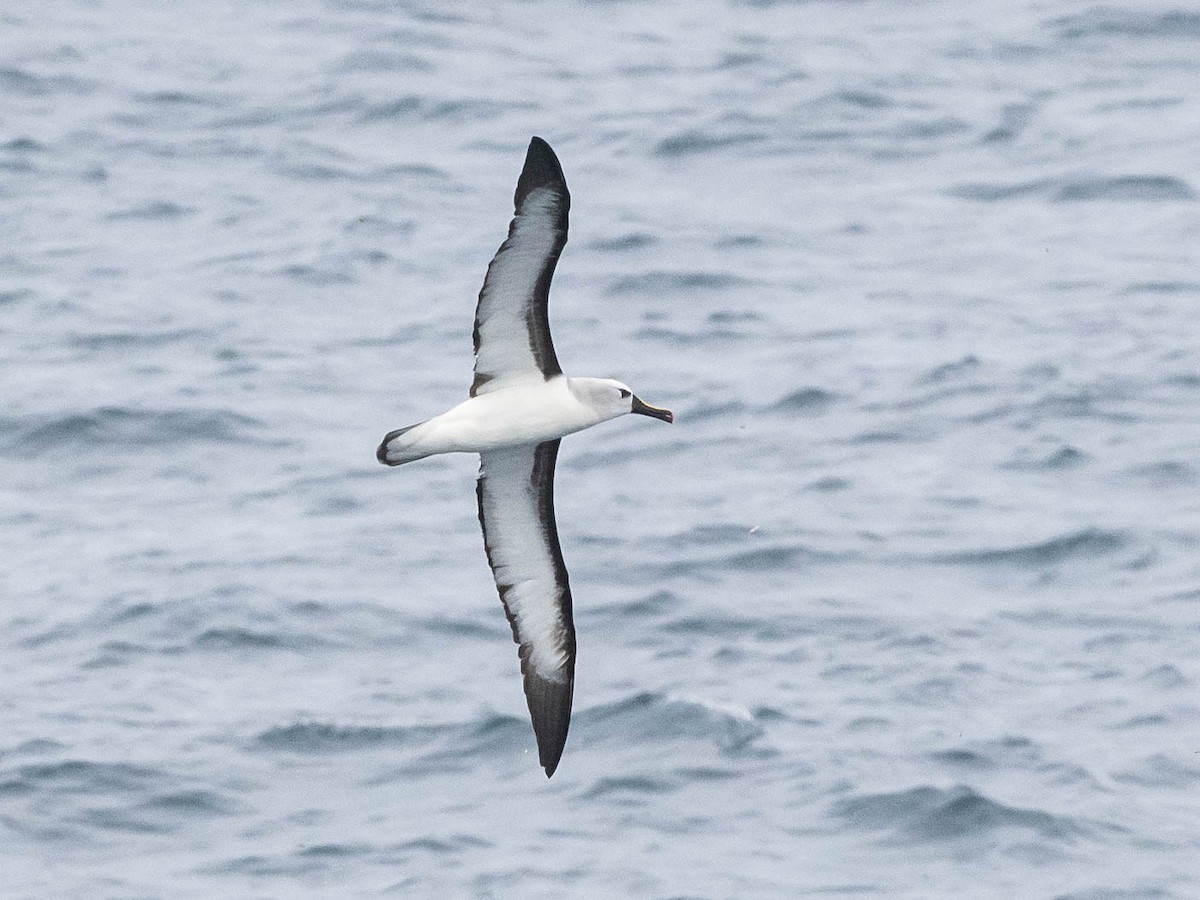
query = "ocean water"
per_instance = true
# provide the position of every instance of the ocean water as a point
(905, 605)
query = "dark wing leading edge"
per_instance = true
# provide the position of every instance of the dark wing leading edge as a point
(512, 332)
(516, 511)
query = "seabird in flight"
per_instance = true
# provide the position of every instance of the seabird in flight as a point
(520, 406)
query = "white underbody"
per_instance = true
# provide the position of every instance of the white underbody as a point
(526, 411)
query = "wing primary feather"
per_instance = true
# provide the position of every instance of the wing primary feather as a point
(542, 170)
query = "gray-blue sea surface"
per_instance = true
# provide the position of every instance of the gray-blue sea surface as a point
(906, 604)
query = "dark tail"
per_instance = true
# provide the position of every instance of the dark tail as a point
(396, 456)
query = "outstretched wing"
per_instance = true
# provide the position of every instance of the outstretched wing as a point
(516, 511)
(512, 332)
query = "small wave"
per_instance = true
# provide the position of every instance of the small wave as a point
(456, 843)
(234, 638)
(158, 211)
(1162, 287)
(1111, 893)
(1161, 771)
(680, 338)
(323, 737)
(311, 162)
(122, 820)
(1168, 473)
(952, 370)
(829, 484)
(459, 627)
(16, 166)
(35, 747)
(660, 603)
(134, 340)
(770, 558)
(738, 241)
(1086, 621)
(430, 749)
(1146, 188)
(1009, 753)
(1014, 119)
(633, 240)
(1095, 402)
(380, 60)
(732, 316)
(991, 192)
(337, 851)
(382, 228)
(15, 296)
(767, 559)
(23, 145)
(1087, 543)
(692, 141)
(928, 814)
(188, 805)
(806, 400)
(20, 81)
(461, 746)
(1129, 23)
(710, 534)
(660, 282)
(227, 619)
(725, 627)
(112, 654)
(19, 153)
(183, 98)
(1063, 457)
(1124, 187)
(118, 426)
(655, 718)
(715, 411)
(875, 436)
(963, 758)
(474, 109)
(1166, 677)
(77, 776)
(706, 773)
(318, 275)
(404, 107)
(863, 99)
(1150, 720)
(737, 60)
(628, 786)
(265, 866)
(924, 129)
(466, 109)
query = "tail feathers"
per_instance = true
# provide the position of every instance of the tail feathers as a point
(394, 452)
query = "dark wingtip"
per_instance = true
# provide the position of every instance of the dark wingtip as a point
(550, 709)
(381, 452)
(542, 169)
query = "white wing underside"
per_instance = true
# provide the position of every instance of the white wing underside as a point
(512, 331)
(516, 510)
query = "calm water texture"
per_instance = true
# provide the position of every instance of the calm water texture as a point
(906, 605)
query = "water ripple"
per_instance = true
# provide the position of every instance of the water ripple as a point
(324, 737)
(929, 814)
(117, 426)
(1083, 544)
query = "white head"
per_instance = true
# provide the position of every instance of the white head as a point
(609, 399)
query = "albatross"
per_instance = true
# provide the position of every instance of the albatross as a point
(520, 407)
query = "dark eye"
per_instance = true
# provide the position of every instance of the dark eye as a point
(625, 393)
